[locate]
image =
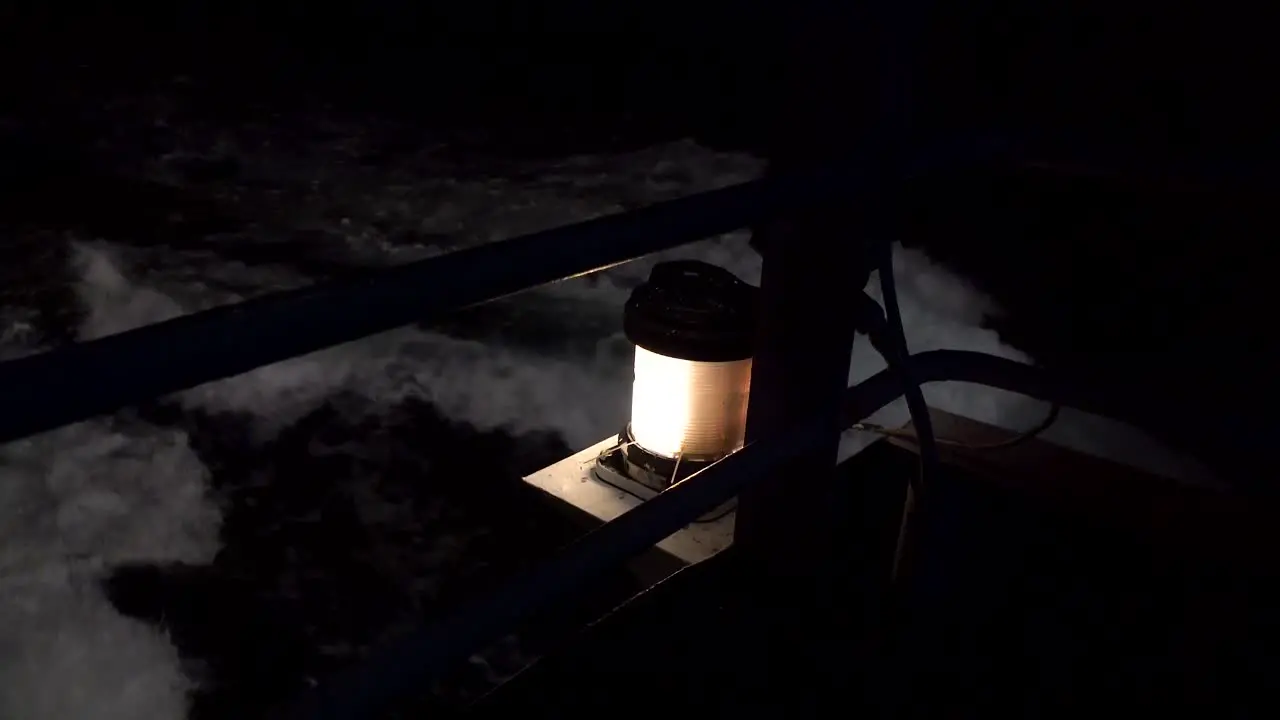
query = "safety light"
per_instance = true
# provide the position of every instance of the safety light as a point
(693, 325)
(686, 408)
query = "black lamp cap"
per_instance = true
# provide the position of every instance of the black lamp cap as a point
(693, 310)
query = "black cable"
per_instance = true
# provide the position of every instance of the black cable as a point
(894, 348)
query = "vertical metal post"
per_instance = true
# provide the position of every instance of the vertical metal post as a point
(814, 267)
(800, 370)
(843, 91)
(786, 525)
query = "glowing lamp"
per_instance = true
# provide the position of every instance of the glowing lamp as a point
(693, 325)
(687, 408)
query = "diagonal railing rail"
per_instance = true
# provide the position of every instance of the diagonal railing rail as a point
(83, 380)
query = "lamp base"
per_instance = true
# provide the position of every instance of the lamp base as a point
(631, 469)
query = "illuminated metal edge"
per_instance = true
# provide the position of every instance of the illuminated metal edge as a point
(573, 481)
(610, 470)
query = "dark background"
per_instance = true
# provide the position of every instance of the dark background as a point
(1181, 76)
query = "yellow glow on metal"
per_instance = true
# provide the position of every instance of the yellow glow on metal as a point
(693, 410)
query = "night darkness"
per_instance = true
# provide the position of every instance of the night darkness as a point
(159, 163)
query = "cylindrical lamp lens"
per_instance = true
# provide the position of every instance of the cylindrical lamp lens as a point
(689, 409)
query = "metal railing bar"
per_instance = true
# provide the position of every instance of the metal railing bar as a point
(83, 380)
(402, 667)
(79, 381)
